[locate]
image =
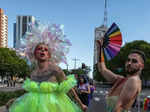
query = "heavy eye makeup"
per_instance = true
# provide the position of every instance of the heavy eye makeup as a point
(40, 48)
(132, 60)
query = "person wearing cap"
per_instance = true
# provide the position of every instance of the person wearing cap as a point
(125, 89)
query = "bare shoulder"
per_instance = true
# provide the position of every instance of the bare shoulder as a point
(58, 72)
(134, 82)
(58, 68)
(54, 67)
(118, 78)
(134, 79)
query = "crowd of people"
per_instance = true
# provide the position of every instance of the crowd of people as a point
(9, 81)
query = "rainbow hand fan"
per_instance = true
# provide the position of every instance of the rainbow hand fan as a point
(112, 42)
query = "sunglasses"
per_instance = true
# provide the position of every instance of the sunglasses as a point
(132, 60)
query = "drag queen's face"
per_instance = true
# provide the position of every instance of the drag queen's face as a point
(42, 52)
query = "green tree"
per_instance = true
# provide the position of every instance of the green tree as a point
(84, 69)
(117, 63)
(11, 64)
(97, 75)
(67, 72)
(78, 71)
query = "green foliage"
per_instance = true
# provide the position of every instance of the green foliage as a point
(6, 96)
(81, 70)
(117, 63)
(97, 75)
(11, 64)
(77, 71)
(67, 72)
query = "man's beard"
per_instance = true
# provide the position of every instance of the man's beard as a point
(132, 71)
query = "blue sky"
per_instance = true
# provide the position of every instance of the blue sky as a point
(80, 18)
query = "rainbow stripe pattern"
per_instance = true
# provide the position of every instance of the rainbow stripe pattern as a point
(112, 42)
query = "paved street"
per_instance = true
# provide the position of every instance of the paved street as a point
(98, 102)
(5, 88)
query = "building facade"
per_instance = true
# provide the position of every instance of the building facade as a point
(20, 28)
(3, 29)
(99, 33)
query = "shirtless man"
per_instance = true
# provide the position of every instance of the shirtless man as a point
(124, 90)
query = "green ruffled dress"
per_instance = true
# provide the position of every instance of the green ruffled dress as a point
(46, 97)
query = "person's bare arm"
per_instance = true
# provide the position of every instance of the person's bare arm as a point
(127, 94)
(83, 107)
(60, 74)
(107, 74)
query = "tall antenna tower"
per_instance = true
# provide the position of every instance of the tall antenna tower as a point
(105, 14)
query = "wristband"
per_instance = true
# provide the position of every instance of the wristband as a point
(101, 57)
